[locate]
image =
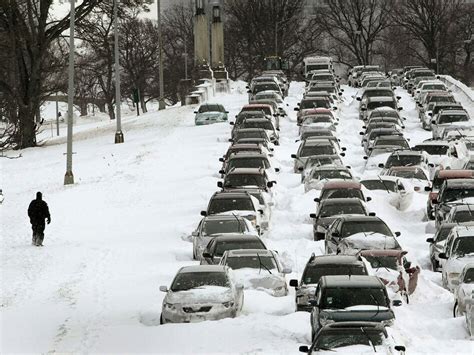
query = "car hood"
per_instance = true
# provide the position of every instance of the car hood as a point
(255, 278)
(363, 241)
(358, 313)
(456, 264)
(205, 294)
(204, 115)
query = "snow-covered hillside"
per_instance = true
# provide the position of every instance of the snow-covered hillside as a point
(122, 231)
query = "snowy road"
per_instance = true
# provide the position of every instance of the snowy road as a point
(120, 232)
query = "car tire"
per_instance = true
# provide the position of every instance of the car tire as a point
(455, 310)
(434, 265)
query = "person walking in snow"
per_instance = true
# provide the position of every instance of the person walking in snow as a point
(38, 212)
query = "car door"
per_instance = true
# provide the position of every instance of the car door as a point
(315, 310)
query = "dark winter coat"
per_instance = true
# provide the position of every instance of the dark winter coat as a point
(38, 211)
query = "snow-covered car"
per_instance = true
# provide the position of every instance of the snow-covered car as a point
(437, 151)
(346, 226)
(244, 133)
(355, 338)
(260, 123)
(464, 290)
(459, 119)
(235, 203)
(414, 175)
(320, 175)
(397, 273)
(241, 178)
(258, 270)
(212, 225)
(371, 135)
(460, 214)
(377, 102)
(200, 293)
(458, 252)
(218, 245)
(248, 160)
(395, 189)
(437, 243)
(330, 209)
(247, 147)
(354, 298)
(320, 121)
(323, 265)
(342, 189)
(210, 113)
(407, 158)
(311, 132)
(452, 192)
(310, 104)
(319, 160)
(365, 241)
(311, 147)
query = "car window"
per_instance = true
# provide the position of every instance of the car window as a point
(379, 185)
(232, 180)
(352, 227)
(382, 261)
(341, 298)
(189, 280)
(220, 205)
(463, 246)
(329, 340)
(346, 208)
(224, 226)
(341, 193)
(252, 261)
(223, 245)
(313, 273)
(317, 150)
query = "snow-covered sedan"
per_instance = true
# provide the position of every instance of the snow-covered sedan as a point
(200, 293)
(395, 189)
(320, 175)
(210, 113)
(258, 270)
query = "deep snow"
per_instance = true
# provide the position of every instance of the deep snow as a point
(121, 231)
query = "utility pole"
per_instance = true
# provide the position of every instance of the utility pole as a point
(57, 115)
(69, 177)
(161, 101)
(185, 55)
(119, 133)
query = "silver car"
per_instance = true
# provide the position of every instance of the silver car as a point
(258, 269)
(202, 292)
(213, 225)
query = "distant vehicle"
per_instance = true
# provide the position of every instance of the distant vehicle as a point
(210, 113)
(200, 293)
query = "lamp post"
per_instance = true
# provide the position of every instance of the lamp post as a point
(161, 101)
(118, 133)
(69, 176)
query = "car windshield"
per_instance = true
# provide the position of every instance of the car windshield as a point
(312, 274)
(232, 180)
(317, 119)
(315, 133)
(210, 108)
(322, 149)
(410, 174)
(248, 163)
(251, 134)
(331, 174)
(463, 246)
(352, 227)
(379, 261)
(329, 89)
(379, 185)
(320, 161)
(340, 298)
(311, 67)
(266, 86)
(403, 160)
(322, 77)
(469, 276)
(224, 226)
(188, 280)
(341, 193)
(384, 114)
(258, 124)
(220, 205)
(346, 208)
(432, 149)
(347, 337)
(452, 118)
(381, 92)
(223, 245)
(464, 216)
(393, 142)
(433, 87)
(314, 103)
(450, 195)
(374, 104)
(441, 99)
(251, 261)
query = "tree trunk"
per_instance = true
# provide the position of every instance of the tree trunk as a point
(26, 136)
(83, 108)
(143, 104)
(111, 111)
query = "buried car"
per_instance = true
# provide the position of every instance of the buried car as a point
(210, 113)
(258, 269)
(200, 293)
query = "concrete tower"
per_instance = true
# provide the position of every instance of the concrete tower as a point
(201, 35)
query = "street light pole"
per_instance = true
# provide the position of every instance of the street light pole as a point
(69, 176)
(276, 38)
(161, 101)
(118, 133)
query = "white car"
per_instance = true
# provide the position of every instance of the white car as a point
(367, 241)
(464, 291)
(319, 175)
(258, 269)
(201, 292)
(398, 192)
(458, 252)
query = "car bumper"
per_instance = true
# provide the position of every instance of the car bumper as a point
(179, 316)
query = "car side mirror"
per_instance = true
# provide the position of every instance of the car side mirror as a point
(194, 234)
(358, 98)
(303, 349)
(195, 112)
(342, 154)
(221, 160)
(399, 108)
(220, 184)
(203, 213)
(372, 214)
(293, 156)
(260, 211)
(249, 92)
(430, 240)
(396, 303)
(296, 108)
(381, 165)
(400, 348)
(312, 215)
(442, 256)
(361, 133)
(314, 303)
(206, 254)
(363, 109)
(232, 123)
(399, 97)
(434, 202)
(368, 199)
(277, 170)
(343, 149)
(163, 288)
(293, 283)
(300, 168)
(430, 114)
(365, 157)
(317, 200)
(431, 165)
(226, 111)
(397, 234)
(221, 171)
(427, 188)
(334, 108)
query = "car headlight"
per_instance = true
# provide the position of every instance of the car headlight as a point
(388, 322)
(280, 289)
(303, 299)
(453, 275)
(228, 304)
(170, 306)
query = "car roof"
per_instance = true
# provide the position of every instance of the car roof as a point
(382, 252)
(315, 141)
(257, 105)
(464, 231)
(452, 174)
(459, 183)
(353, 281)
(249, 252)
(342, 184)
(330, 167)
(359, 218)
(244, 154)
(247, 171)
(202, 268)
(220, 217)
(227, 194)
(341, 200)
(354, 325)
(380, 98)
(335, 260)
(408, 152)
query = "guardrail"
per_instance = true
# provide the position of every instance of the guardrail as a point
(458, 87)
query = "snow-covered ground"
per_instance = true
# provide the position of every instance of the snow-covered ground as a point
(122, 231)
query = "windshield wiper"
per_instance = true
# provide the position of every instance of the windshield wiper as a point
(368, 338)
(378, 306)
(241, 227)
(261, 264)
(383, 183)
